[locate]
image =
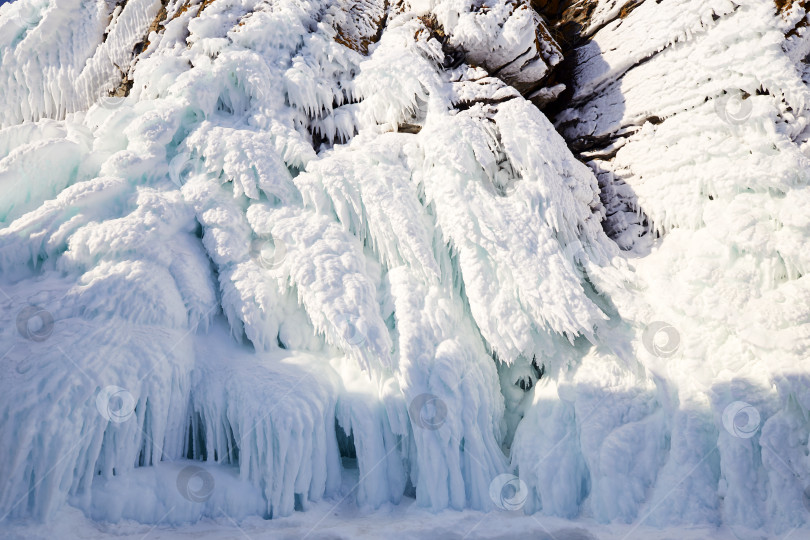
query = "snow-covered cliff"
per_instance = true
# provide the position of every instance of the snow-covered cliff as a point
(544, 257)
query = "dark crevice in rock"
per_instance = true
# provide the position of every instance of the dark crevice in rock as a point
(453, 56)
(466, 105)
(783, 6)
(409, 128)
(572, 25)
(124, 86)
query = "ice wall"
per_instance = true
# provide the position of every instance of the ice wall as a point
(693, 116)
(245, 245)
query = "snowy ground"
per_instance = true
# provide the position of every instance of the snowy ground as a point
(340, 519)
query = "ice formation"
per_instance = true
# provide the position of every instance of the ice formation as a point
(247, 244)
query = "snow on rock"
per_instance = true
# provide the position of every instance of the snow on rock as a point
(60, 56)
(247, 246)
(508, 38)
(692, 115)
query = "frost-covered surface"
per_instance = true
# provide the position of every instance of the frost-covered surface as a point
(328, 520)
(694, 115)
(249, 247)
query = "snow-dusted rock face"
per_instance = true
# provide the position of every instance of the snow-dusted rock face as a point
(245, 245)
(693, 116)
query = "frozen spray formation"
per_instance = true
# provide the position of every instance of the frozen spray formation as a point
(554, 245)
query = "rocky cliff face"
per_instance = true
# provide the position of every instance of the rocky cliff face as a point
(634, 69)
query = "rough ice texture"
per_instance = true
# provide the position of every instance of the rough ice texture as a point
(693, 116)
(303, 218)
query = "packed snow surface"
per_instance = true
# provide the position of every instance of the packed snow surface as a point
(263, 257)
